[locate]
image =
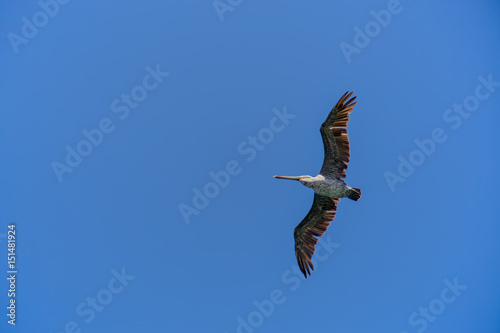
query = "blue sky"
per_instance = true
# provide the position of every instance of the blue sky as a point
(117, 115)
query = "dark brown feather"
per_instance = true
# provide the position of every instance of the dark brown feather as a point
(315, 223)
(335, 139)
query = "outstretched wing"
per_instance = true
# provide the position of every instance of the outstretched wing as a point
(314, 224)
(335, 139)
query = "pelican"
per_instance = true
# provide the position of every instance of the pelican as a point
(328, 185)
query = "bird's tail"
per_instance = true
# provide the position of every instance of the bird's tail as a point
(354, 193)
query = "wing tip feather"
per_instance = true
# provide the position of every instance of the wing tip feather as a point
(314, 224)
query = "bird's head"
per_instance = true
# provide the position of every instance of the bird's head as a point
(303, 179)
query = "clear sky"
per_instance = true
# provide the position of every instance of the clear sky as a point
(138, 145)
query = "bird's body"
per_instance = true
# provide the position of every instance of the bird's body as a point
(328, 185)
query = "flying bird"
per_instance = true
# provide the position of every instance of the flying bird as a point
(328, 185)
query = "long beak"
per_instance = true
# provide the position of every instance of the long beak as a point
(288, 177)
